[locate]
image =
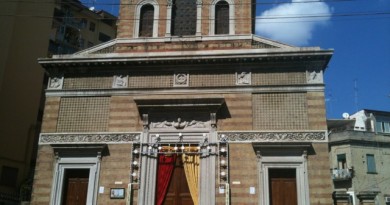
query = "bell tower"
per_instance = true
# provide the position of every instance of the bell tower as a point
(172, 19)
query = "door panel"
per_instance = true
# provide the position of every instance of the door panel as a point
(178, 192)
(283, 188)
(75, 187)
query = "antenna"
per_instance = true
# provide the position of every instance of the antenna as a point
(356, 90)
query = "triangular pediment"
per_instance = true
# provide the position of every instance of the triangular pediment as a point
(207, 43)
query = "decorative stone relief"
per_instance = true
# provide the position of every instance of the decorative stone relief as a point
(55, 83)
(199, 2)
(181, 79)
(314, 76)
(179, 124)
(58, 138)
(243, 78)
(120, 81)
(169, 3)
(272, 136)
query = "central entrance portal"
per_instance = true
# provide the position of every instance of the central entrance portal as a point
(178, 191)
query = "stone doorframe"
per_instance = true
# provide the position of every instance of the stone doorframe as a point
(162, 124)
(76, 157)
(289, 156)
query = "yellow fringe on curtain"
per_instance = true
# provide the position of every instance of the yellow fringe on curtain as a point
(191, 169)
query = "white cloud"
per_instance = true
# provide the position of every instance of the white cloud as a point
(296, 31)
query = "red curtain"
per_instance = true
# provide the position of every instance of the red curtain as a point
(166, 164)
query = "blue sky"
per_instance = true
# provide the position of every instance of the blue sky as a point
(358, 75)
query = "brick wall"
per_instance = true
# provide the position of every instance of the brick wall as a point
(50, 114)
(83, 114)
(243, 169)
(238, 115)
(320, 184)
(115, 168)
(316, 111)
(124, 115)
(126, 19)
(89, 82)
(280, 111)
(43, 176)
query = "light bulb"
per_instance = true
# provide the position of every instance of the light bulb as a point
(182, 147)
(134, 174)
(223, 174)
(135, 163)
(159, 147)
(135, 151)
(150, 147)
(223, 149)
(223, 162)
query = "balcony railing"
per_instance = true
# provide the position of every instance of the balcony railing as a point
(341, 174)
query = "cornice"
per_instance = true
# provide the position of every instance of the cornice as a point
(181, 91)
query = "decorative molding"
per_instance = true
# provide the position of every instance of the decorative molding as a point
(55, 83)
(273, 136)
(181, 79)
(87, 138)
(120, 81)
(243, 78)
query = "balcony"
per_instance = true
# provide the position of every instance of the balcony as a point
(341, 174)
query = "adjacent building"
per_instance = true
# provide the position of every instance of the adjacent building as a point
(24, 38)
(26, 29)
(185, 106)
(76, 27)
(359, 148)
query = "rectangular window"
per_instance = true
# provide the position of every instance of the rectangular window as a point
(9, 176)
(371, 168)
(386, 127)
(341, 161)
(103, 37)
(92, 26)
(378, 126)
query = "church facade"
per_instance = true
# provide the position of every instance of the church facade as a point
(186, 106)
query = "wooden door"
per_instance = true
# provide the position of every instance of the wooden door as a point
(75, 187)
(178, 192)
(283, 187)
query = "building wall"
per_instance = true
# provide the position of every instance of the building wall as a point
(43, 178)
(24, 38)
(362, 181)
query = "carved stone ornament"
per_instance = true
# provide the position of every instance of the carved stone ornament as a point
(314, 76)
(55, 83)
(120, 81)
(199, 2)
(272, 136)
(181, 79)
(58, 138)
(169, 3)
(179, 124)
(243, 78)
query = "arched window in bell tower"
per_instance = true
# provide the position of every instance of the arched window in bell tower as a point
(146, 21)
(184, 17)
(222, 18)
